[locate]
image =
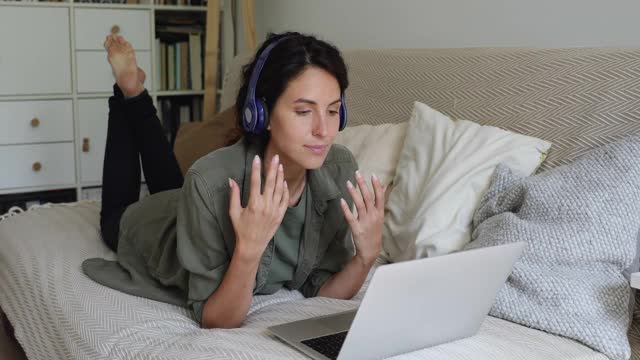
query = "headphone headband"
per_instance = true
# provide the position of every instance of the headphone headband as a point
(262, 59)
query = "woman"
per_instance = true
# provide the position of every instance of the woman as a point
(238, 225)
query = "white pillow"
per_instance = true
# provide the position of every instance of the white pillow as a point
(444, 169)
(375, 147)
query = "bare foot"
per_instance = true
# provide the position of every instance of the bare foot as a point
(129, 77)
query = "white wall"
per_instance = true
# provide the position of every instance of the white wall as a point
(456, 23)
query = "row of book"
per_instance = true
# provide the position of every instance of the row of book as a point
(181, 63)
(174, 111)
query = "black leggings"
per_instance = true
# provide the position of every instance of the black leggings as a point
(134, 133)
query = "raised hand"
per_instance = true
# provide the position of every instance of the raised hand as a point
(366, 227)
(256, 224)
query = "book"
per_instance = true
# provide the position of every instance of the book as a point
(158, 69)
(185, 114)
(163, 66)
(197, 109)
(195, 60)
(178, 65)
(184, 66)
(171, 65)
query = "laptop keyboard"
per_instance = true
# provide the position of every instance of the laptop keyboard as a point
(328, 345)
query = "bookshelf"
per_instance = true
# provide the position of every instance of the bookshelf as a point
(65, 67)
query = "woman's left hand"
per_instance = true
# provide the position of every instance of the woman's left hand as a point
(366, 227)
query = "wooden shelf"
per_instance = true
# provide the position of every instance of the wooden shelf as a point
(180, 8)
(34, 3)
(177, 8)
(179, 92)
(111, 6)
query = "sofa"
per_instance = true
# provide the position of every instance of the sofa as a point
(576, 99)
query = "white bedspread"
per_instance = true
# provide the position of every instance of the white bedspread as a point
(59, 313)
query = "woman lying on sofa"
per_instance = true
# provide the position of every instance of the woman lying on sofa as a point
(237, 225)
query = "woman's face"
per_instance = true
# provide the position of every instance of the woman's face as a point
(305, 119)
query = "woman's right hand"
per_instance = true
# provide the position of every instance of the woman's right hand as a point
(256, 224)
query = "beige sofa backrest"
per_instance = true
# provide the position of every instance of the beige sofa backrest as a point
(575, 98)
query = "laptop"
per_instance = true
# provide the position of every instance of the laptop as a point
(409, 306)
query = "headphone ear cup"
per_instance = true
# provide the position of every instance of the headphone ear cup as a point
(260, 118)
(249, 115)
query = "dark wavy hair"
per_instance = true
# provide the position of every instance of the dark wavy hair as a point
(286, 61)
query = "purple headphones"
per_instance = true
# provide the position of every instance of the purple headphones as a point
(255, 117)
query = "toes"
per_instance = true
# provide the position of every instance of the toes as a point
(141, 75)
(108, 41)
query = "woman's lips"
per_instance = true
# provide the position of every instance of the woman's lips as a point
(317, 149)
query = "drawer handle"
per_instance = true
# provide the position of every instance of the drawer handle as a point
(115, 30)
(35, 122)
(85, 145)
(36, 166)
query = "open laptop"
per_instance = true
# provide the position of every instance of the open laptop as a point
(409, 306)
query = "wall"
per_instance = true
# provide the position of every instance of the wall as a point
(456, 23)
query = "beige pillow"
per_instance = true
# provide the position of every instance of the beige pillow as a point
(375, 147)
(444, 169)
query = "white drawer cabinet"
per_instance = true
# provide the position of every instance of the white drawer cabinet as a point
(95, 75)
(37, 165)
(36, 55)
(36, 121)
(93, 25)
(55, 81)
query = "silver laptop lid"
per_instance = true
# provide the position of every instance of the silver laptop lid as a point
(421, 303)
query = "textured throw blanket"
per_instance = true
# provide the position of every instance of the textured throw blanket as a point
(581, 223)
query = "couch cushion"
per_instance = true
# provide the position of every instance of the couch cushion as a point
(581, 225)
(443, 170)
(375, 147)
(194, 140)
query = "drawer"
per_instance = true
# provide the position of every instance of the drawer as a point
(95, 75)
(35, 56)
(93, 117)
(36, 121)
(19, 164)
(93, 25)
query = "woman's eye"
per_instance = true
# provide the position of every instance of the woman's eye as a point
(333, 112)
(302, 112)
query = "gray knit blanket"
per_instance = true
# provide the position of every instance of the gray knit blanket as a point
(581, 223)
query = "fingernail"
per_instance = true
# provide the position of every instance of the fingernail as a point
(280, 168)
(375, 177)
(358, 173)
(230, 183)
(256, 159)
(276, 159)
(342, 201)
(285, 184)
(349, 184)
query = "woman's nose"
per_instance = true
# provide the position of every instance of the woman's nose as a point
(320, 125)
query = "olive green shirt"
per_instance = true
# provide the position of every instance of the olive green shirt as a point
(175, 246)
